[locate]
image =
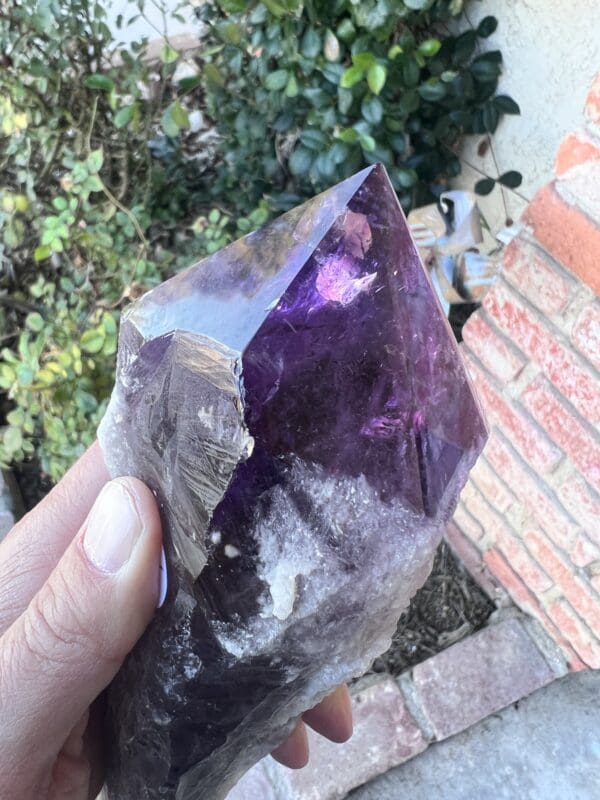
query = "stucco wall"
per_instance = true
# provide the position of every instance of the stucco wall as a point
(551, 52)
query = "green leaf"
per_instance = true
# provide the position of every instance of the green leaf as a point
(351, 77)
(13, 439)
(124, 116)
(372, 110)
(488, 66)
(99, 81)
(506, 105)
(363, 60)
(407, 178)
(346, 30)
(291, 90)
(187, 84)
(448, 75)
(310, 44)
(464, 47)
(277, 80)
(232, 6)
(168, 123)
(433, 90)
(331, 47)
(179, 115)
(168, 55)
(394, 51)
(314, 139)
(92, 340)
(41, 253)
(491, 117)
(348, 135)
(60, 204)
(276, 8)
(512, 179)
(16, 417)
(487, 26)
(24, 375)
(95, 160)
(376, 78)
(300, 161)
(430, 47)
(34, 321)
(367, 142)
(485, 186)
(213, 77)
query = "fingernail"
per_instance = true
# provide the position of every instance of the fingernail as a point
(113, 528)
(162, 579)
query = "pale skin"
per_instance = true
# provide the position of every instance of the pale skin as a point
(71, 608)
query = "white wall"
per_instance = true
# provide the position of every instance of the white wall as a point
(551, 52)
(151, 25)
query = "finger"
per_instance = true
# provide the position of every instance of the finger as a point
(333, 716)
(70, 642)
(31, 550)
(293, 753)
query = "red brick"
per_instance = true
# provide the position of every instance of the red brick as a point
(575, 151)
(509, 580)
(567, 234)
(498, 356)
(538, 340)
(479, 676)
(581, 444)
(584, 552)
(575, 632)
(592, 103)
(385, 735)
(468, 524)
(532, 443)
(583, 503)
(472, 561)
(530, 491)
(491, 486)
(528, 603)
(537, 277)
(586, 334)
(522, 563)
(577, 593)
(478, 507)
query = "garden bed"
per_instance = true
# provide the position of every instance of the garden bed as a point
(447, 608)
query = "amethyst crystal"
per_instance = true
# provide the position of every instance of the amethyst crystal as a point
(300, 408)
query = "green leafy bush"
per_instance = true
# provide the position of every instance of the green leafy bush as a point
(88, 219)
(305, 93)
(112, 175)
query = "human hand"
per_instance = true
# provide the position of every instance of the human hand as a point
(79, 582)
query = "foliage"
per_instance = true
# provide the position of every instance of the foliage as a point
(88, 219)
(112, 176)
(306, 92)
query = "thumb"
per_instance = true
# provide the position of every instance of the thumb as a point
(70, 642)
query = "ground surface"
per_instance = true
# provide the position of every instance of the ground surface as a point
(547, 747)
(447, 608)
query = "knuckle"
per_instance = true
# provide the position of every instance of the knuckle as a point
(55, 629)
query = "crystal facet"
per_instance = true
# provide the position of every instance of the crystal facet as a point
(300, 408)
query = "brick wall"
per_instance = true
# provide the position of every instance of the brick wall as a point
(532, 506)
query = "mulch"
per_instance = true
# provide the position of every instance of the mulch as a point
(448, 607)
